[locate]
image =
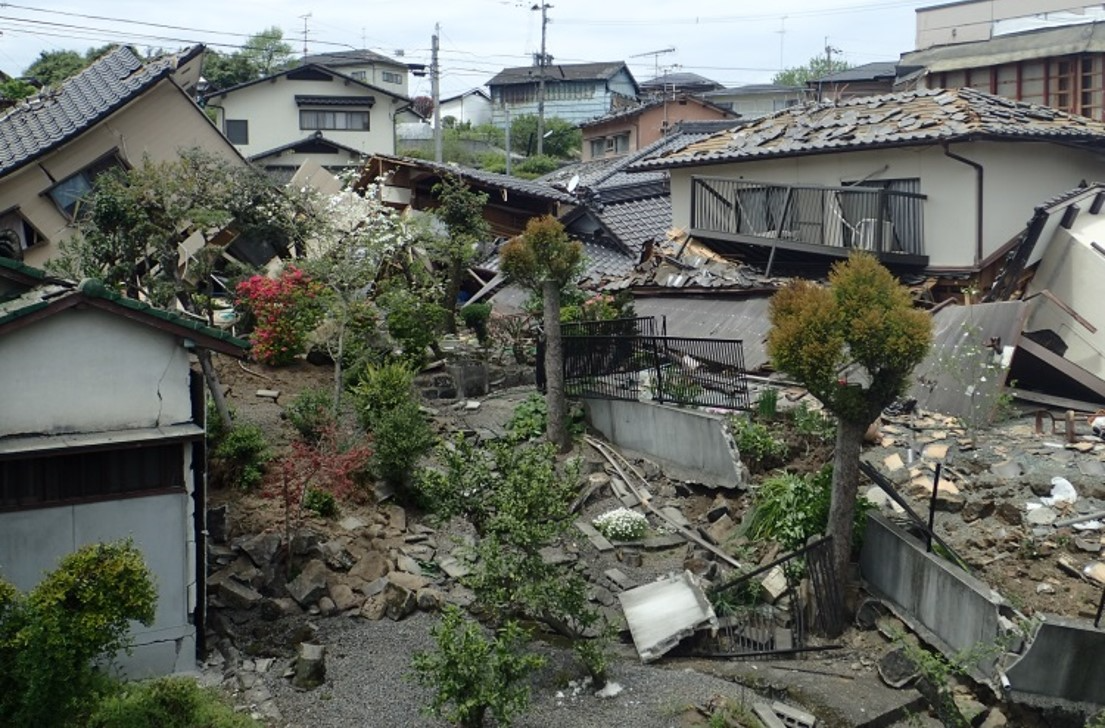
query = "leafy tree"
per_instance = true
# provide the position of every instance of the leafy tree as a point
(563, 138)
(264, 54)
(460, 208)
(424, 105)
(50, 637)
(16, 89)
(224, 70)
(52, 67)
(817, 67)
(544, 259)
(137, 219)
(863, 317)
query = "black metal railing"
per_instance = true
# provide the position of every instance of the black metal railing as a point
(671, 369)
(640, 326)
(882, 221)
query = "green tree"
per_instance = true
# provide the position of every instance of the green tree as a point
(224, 70)
(16, 89)
(460, 208)
(264, 54)
(544, 259)
(817, 67)
(563, 139)
(864, 317)
(50, 637)
(52, 67)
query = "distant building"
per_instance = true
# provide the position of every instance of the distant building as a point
(869, 79)
(367, 66)
(575, 92)
(628, 130)
(471, 107)
(757, 99)
(672, 84)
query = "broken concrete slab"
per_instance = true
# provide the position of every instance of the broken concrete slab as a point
(597, 539)
(664, 612)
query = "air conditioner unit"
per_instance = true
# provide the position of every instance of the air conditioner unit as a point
(867, 233)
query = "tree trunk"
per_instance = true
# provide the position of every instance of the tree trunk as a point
(842, 509)
(338, 367)
(452, 290)
(557, 431)
(211, 377)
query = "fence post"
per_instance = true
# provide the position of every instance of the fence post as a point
(659, 393)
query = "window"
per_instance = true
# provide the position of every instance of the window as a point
(358, 75)
(392, 77)
(340, 120)
(237, 131)
(43, 480)
(69, 193)
(598, 147)
(617, 144)
(18, 233)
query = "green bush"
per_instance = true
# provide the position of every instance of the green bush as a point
(759, 449)
(243, 453)
(382, 388)
(413, 322)
(310, 412)
(401, 436)
(321, 502)
(171, 702)
(530, 417)
(767, 405)
(472, 674)
(809, 422)
(476, 316)
(535, 166)
(790, 508)
(51, 637)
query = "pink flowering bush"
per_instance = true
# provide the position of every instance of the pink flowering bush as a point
(284, 310)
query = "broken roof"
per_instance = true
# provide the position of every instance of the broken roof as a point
(913, 118)
(632, 111)
(602, 71)
(55, 116)
(349, 58)
(43, 296)
(493, 179)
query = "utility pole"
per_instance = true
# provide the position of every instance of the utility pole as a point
(305, 18)
(435, 86)
(508, 152)
(829, 51)
(542, 62)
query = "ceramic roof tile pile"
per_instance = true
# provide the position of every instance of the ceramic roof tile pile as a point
(912, 118)
(636, 221)
(681, 262)
(55, 116)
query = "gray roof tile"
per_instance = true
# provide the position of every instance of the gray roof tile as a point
(559, 72)
(49, 119)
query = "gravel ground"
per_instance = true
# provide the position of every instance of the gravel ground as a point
(367, 684)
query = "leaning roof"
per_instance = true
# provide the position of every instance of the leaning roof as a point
(559, 72)
(922, 117)
(55, 116)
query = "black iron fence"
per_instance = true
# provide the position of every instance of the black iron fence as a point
(870, 218)
(678, 370)
(640, 326)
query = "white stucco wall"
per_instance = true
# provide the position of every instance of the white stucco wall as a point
(158, 124)
(1017, 177)
(471, 108)
(84, 370)
(273, 114)
(32, 542)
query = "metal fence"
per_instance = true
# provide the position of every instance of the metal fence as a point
(875, 219)
(640, 326)
(679, 370)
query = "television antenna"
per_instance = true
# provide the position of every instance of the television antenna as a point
(655, 57)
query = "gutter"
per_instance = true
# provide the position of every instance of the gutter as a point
(979, 186)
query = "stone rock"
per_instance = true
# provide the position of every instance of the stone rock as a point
(237, 595)
(336, 555)
(411, 582)
(310, 584)
(408, 564)
(1045, 588)
(310, 666)
(1095, 570)
(326, 607)
(774, 584)
(893, 462)
(649, 469)
(397, 517)
(554, 555)
(1042, 516)
(977, 510)
(935, 451)
(374, 608)
(351, 523)
(371, 567)
(399, 602)
(305, 542)
(262, 548)
(283, 607)
(994, 719)
(217, 527)
(630, 557)
(896, 669)
(272, 394)
(1089, 545)
(344, 597)
(675, 516)
(717, 510)
(1010, 514)
(453, 567)
(720, 530)
(429, 599)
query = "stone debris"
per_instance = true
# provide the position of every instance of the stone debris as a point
(310, 666)
(272, 394)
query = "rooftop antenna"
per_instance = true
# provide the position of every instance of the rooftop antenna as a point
(304, 18)
(655, 58)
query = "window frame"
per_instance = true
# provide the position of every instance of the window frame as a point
(393, 77)
(348, 115)
(32, 236)
(244, 127)
(86, 176)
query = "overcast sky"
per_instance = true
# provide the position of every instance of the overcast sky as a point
(731, 41)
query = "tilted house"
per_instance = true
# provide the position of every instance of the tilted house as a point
(930, 181)
(110, 115)
(575, 92)
(102, 438)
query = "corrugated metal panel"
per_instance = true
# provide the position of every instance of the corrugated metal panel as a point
(744, 318)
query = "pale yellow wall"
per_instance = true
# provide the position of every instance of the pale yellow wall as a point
(273, 116)
(159, 124)
(1017, 177)
(374, 74)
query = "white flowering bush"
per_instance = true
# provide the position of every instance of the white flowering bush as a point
(621, 524)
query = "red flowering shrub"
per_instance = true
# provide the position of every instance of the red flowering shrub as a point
(285, 310)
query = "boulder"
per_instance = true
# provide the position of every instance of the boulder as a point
(977, 510)
(237, 595)
(336, 555)
(310, 666)
(411, 582)
(370, 568)
(429, 599)
(344, 597)
(217, 527)
(310, 584)
(896, 669)
(374, 608)
(399, 602)
(261, 548)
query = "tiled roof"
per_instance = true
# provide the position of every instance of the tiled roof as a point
(306, 69)
(349, 58)
(532, 188)
(58, 292)
(754, 88)
(631, 111)
(559, 72)
(317, 100)
(679, 80)
(306, 145)
(49, 119)
(912, 118)
(867, 72)
(636, 221)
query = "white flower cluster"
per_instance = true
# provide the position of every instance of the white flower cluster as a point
(621, 524)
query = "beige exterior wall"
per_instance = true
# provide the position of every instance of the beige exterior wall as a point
(158, 124)
(963, 22)
(273, 115)
(374, 75)
(1017, 177)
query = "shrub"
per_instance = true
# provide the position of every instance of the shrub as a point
(243, 453)
(413, 322)
(321, 502)
(476, 316)
(759, 449)
(310, 412)
(791, 508)
(767, 405)
(530, 417)
(535, 166)
(50, 638)
(813, 423)
(401, 436)
(622, 524)
(285, 310)
(171, 702)
(473, 674)
(382, 388)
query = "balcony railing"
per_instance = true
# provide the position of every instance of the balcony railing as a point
(889, 223)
